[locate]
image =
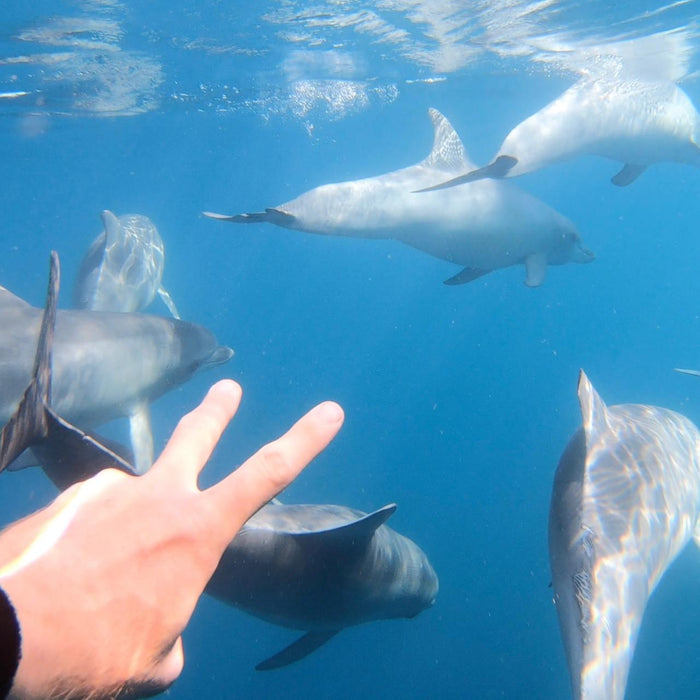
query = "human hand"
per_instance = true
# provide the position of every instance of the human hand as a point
(105, 579)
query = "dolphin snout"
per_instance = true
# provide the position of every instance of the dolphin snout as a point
(584, 255)
(222, 354)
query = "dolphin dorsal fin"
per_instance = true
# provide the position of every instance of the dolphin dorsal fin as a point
(448, 150)
(360, 529)
(593, 409)
(113, 228)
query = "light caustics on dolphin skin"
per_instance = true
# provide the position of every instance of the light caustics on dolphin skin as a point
(626, 500)
(123, 267)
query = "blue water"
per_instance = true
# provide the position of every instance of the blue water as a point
(459, 400)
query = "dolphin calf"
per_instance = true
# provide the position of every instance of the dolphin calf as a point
(625, 501)
(66, 453)
(482, 228)
(123, 267)
(105, 365)
(636, 122)
(321, 568)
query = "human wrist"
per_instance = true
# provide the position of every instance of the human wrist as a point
(10, 644)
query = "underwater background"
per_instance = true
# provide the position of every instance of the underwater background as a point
(459, 400)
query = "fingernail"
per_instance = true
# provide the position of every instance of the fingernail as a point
(329, 412)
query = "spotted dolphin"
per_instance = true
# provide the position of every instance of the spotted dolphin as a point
(321, 568)
(637, 122)
(482, 228)
(123, 267)
(625, 501)
(105, 365)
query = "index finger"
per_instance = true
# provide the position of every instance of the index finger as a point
(198, 432)
(272, 468)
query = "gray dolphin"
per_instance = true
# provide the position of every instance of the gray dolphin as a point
(625, 501)
(321, 568)
(123, 268)
(66, 453)
(105, 365)
(482, 228)
(634, 121)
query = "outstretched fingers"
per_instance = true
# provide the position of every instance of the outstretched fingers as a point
(198, 432)
(273, 467)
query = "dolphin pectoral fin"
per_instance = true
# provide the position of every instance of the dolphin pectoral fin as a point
(270, 216)
(692, 372)
(141, 438)
(168, 301)
(468, 274)
(65, 452)
(536, 269)
(498, 169)
(296, 651)
(627, 175)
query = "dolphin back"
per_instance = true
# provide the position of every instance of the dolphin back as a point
(625, 500)
(323, 567)
(123, 266)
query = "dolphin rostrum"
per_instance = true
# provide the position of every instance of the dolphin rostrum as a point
(321, 568)
(625, 501)
(634, 121)
(105, 365)
(66, 453)
(482, 228)
(123, 268)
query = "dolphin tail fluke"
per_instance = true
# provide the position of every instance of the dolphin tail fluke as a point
(627, 175)
(66, 453)
(270, 216)
(69, 455)
(692, 372)
(296, 651)
(29, 424)
(498, 169)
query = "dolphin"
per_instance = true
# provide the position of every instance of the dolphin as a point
(625, 501)
(634, 121)
(66, 453)
(105, 365)
(482, 228)
(321, 568)
(123, 267)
